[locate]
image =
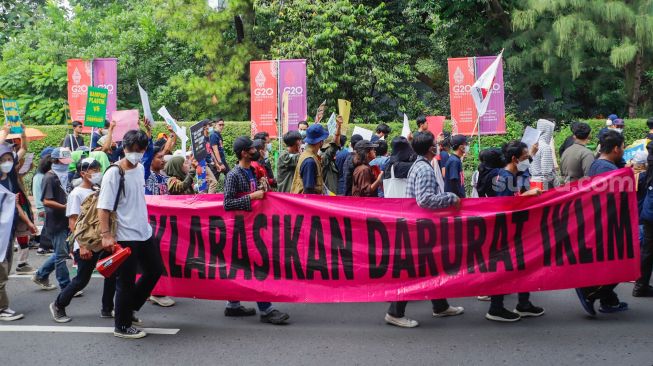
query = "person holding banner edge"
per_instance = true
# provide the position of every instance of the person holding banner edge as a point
(512, 182)
(240, 189)
(423, 187)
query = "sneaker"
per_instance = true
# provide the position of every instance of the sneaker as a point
(106, 314)
(451, 311)
(128, 333)
(503, 315)
(59, 314)
(79, 293)
(44, 284)
(163, 301)
(638, 290)
(587, 304)
(24, 269)
(41, 251)
(529, 310)
(136, 320)
(401, 322)
(275, 317)
(483, 298)
(607, 309)
(239, 311)
(8, 315)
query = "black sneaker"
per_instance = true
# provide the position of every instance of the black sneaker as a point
(106, 314)
(502, 315)
(59, 314)
(239, 311)
(128, 333)
(275, 317)
(638, 290)
(529, 310)
(586, 303)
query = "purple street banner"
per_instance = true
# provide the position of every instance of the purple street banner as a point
(494, 119)
(292, 79)
(105, 75)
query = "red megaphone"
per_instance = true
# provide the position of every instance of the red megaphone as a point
(110, 264)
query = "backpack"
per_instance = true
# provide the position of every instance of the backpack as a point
(87, 229)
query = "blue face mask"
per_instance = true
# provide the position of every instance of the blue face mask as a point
(302, 133)
(211, 129)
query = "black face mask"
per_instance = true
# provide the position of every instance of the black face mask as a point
(255, 156)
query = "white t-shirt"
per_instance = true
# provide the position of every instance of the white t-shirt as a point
(74, 204)
(133, 224)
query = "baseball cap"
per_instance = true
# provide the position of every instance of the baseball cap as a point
(242, 143)
(365, 144)
(47, 151)
(63, 154)
(6, 149)
(618, 122)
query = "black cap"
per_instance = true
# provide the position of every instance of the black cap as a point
(458, 140)
(240, 144)
(365, 144)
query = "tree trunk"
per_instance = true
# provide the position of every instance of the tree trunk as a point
(633, 101)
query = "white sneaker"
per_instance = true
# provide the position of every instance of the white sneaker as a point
(401, 322)
(483, 298)
(452, 311)
(8, 315)
(79, 293)
(163, 301)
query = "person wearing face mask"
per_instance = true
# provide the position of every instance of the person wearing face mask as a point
(454, 175)
(218, 156)
(180, 176)
(54, 199)
(288, 160)
(264, 160)
(308, 177)
(133, 231)
(98, 133)
(365, 184)
(263, 174)
(89, 171)
(240, 189)
(510, 183)
(302, 127)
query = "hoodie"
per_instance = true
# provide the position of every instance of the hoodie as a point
(543, 169)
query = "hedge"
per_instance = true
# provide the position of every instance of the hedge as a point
(635, 129)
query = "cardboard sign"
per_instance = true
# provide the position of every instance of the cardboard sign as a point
(344, 109)
(145, 101)
(364, 132)
(96, 107)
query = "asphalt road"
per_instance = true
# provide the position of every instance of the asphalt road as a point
(331, 334)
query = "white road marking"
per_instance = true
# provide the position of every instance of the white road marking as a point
(29, 277)
(72, 329)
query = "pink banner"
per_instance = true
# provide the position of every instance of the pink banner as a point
(105, 75)
(302, 248)
(264, 101)
(494, 119)
(292, 79)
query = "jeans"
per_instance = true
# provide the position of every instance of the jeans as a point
(398, 308)
(57, 261)
(496, 301)
(85, 269)
(132, 294)
(263, 307)
(646, 255)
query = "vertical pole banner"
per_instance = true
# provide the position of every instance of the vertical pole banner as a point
(494, 119)
(79, 79)
(105, 76)
(264, 97)
(463, 109)
(292, 79)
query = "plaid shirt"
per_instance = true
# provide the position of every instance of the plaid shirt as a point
(423, 186)
(236, 190)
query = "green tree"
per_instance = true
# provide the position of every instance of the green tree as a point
(583, 37)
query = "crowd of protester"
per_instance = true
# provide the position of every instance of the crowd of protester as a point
(116, 176)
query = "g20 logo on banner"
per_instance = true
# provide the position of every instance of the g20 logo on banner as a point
(294, 90)
(79, 89)
(108, 87)
(468, 88)
(263, 92)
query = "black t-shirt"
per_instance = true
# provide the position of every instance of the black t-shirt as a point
(55, 220)
(73, 142)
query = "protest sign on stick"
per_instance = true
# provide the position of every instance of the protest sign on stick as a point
(12, 116)
(125, 121)
(145, 101)
(344, 109)
(197, 141)
(96, 107)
